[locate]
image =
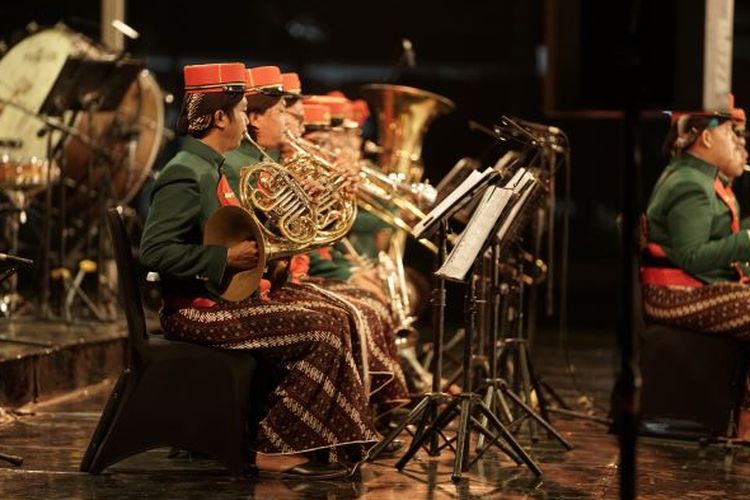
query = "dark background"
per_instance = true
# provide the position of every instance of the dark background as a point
(490, 57)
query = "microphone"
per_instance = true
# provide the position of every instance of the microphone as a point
(16, 260)
(409, 55)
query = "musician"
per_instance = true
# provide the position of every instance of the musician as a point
(320, 402)
(331, 269)
(371, 334)
(695, 274)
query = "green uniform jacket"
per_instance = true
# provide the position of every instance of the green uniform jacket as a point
(337, 267)
(362, 236)
(183, 198)
(692, 224)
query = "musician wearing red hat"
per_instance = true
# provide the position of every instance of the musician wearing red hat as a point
(319, 405)
(330, 269)
(695, 272)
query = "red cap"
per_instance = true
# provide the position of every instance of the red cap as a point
(360, 111)
(336, 105)
(216, 77)
(291, 83)
(738, 114)
(316, 115)
(735, 114)
(265, 80)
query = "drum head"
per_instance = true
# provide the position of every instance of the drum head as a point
(27, 73)
(131, 136)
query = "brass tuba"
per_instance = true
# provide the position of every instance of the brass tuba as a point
(403, 115)
(279, 215)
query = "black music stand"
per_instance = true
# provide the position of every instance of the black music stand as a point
(425, 412)
(492, 213)
(497, 392)
(9, 264)
(82, 85)
(90, 85)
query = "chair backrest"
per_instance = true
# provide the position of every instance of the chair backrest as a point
(131, 293)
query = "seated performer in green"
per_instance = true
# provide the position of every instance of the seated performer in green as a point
(320, 404)
(695, 269)
(371, 330)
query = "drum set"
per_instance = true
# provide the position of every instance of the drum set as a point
(80, 130)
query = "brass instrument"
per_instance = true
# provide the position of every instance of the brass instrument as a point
(278, 214)
(403, 115)
(377, 190)
(336, 208)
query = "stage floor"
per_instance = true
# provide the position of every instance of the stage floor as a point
(52, 437)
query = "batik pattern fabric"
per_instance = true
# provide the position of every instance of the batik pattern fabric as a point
(721, 308)
(387, 386)
(319, 402)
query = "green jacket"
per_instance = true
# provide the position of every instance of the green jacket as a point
(692, 224)
(183, 198)
(331, 263)
(362, 236)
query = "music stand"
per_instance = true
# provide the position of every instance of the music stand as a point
(425, 412)
(9, 264)
(91, 85)
(492, 212)
(82, 85)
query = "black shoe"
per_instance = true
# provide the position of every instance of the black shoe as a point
(308, 470)
(391, 449)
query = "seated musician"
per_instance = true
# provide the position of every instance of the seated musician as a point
(335, 271)
(370, 331)
(695, 269)
(320, 403)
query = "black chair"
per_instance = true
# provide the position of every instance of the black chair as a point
(692, 383)
(170, 394)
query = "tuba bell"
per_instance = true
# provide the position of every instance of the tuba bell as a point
(403, 115)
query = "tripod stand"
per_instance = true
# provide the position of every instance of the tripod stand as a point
(463, 406)
(496, 392)
(427, 409)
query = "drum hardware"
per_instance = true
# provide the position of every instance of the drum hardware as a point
(87, 87)
(8, 266)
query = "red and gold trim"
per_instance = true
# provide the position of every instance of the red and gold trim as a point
(265, 80)
(214, 78)
(291, 83)
(316, 115)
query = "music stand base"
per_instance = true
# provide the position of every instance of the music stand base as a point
(498, 393)
(424, 415)
(463, 406)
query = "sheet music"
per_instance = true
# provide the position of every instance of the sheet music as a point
(474, 180)
(497, 202)
(524, 188)
(473, 238)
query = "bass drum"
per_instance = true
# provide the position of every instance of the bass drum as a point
(131, 136)
(28, 72)
(128, 138)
